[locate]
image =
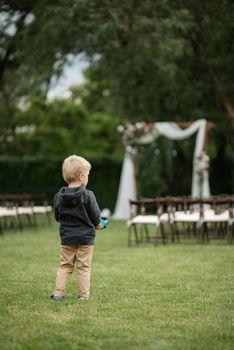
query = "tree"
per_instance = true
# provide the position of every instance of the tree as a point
(61, 127)
(156, 60)
(149, 52)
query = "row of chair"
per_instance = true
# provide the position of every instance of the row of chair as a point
(18, 211)
(175, 217)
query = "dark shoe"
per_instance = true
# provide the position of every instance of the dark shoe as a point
(57, 297)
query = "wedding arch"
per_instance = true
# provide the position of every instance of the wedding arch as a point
(144, 133)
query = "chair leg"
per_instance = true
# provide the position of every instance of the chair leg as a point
(177, 234)
(230, 233)
(162, 234)
(132, 226)
(200, 232)
(20, 222)
(147, 233)
(206, 232)
(48, 218)
(141, 233)
(34, 218)
(172, 232)
(156, 235)
(1, 229)
(129, 235)
(136, 234)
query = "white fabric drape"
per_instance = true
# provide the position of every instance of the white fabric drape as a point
(127, 187)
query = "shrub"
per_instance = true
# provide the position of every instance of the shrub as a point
(43, 175)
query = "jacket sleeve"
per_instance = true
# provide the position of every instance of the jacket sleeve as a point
(56, 207)
(92, 209)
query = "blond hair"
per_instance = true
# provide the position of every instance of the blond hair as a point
(73, 166)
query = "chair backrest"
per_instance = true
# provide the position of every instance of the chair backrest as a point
(171, 204)
(143, 206)
(16, 200)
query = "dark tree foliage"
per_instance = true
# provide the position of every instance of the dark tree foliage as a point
(149, 60)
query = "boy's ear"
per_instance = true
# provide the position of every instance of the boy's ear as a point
(80, 176)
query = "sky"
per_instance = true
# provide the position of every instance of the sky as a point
(72, 75)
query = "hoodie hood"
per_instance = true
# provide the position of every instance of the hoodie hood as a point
(70, 196)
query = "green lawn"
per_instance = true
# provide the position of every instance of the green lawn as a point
(178, 296)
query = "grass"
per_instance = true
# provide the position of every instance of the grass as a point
(178, 296)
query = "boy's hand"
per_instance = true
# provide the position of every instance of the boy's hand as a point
(99, 227)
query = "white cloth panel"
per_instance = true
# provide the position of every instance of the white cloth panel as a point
(200, 141)
(127, 189)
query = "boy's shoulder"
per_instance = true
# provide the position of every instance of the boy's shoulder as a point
(88, 193)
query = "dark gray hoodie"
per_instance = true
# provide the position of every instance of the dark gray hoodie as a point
(78, 213)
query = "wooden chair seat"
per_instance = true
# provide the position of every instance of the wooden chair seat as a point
(25, 210)
(7, 212)
(145, 219)
(211, 216)
(181, 216)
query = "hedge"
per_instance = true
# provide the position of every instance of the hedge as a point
(43, 175)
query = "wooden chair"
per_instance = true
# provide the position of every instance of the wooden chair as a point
(9, 218)
(145, 212)
(217, 219)
(21, 210)
(40, 206)
(199, 218)
(185, 216)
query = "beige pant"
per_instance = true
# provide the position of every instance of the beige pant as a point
(71, 255)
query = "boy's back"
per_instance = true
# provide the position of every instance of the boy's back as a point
(78, 213)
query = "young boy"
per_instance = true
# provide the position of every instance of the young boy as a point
(78, 213)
